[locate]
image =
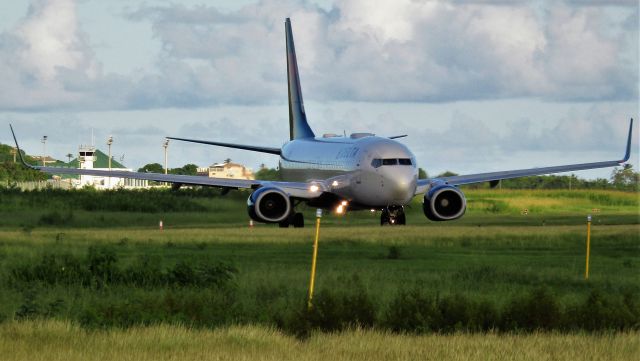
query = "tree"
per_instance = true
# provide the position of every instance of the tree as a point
(187, 169)
(447, 174)
(152, 168)
(422, 174)
(625, 178)
(268, 174)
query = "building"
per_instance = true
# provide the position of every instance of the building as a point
(47, 160)
(227, 170)
(91, 158)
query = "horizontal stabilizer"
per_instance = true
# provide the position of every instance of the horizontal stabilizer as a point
(252, 148)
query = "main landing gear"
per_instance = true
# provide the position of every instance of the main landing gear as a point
(296, 219)
(393, 216)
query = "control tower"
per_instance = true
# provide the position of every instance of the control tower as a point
(86, 158)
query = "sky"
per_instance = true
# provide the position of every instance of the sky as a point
(478, 85)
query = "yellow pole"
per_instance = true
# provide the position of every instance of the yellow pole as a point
(586, 271)
(313, 260)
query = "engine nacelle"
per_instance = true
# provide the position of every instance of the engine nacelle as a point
(269, 205)
(444, 203)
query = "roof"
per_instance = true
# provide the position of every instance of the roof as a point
(227, 165)
(102, 161)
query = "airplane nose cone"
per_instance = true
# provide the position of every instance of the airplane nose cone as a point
(403, 188)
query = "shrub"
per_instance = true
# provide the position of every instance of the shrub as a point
(55, 218)
(539, 310)
(394, 252)
(411, 311)
(332, 311)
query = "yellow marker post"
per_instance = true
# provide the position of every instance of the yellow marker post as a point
(586, 271)
(313, 260)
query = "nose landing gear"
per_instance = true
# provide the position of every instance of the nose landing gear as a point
(393, 216)
(295, 219)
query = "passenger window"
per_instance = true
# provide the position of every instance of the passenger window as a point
(389, 161)
(376, 163)
(404, 161)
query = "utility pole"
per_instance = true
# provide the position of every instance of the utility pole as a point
(165, 145)
(109, 142)
(44, 150)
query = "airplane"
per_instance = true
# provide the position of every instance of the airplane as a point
(340, 173)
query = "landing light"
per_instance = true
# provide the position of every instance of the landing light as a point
(334, 183)
(314, 188)
(344, 203)
(340, 209)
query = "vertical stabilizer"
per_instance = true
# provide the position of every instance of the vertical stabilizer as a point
(298, 126)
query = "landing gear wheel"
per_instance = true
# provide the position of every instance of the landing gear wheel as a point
(298, 220)
(384, 217)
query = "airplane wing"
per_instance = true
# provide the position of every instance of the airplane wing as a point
(424, 184)
(306, 190)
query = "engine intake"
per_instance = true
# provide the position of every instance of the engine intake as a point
(269, 205)
(444, 203)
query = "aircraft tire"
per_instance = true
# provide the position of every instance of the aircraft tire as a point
(298, 220)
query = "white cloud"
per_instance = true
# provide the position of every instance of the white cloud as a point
(374, 51)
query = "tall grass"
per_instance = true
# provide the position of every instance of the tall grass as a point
(438, 280)
(55, 340)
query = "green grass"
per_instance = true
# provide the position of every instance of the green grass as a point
(207, 208)
(491, 263)
(64, 341)
(83, 271)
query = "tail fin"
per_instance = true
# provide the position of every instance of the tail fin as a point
(298, 126)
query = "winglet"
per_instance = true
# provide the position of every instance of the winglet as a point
(628, 153)
(18, 149)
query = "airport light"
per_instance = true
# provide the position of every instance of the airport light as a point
(165, 145)
(44, 149)
(109, 142)
(586, 269)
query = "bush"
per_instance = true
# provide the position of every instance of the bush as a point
(411, 311)
(100, 270)
(394, 252)
(332, 311)
(55, 218)
(539, 310)
(599, 313)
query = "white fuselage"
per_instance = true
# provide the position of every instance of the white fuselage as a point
(369, 171)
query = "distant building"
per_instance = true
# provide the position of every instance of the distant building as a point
(91, 158)
(47, 160)
(227, 170)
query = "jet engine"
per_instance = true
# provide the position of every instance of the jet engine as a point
(444, 203)
(269, 205)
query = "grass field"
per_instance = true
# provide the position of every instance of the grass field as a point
(95, 268)
(33, 341)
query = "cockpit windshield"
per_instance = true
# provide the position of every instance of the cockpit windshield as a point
(377, 162)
